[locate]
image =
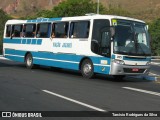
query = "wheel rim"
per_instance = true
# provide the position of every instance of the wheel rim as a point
(29, 61)
(87, 68)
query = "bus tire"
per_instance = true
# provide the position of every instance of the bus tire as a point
(29, 61)
(87, 69)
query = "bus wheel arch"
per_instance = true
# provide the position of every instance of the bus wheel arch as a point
(86, 67)
(26, 55)
(29, 60)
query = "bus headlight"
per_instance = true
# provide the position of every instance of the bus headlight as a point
(119, 61)
(148, 63)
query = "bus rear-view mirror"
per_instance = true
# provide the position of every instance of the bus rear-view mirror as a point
(112, 29)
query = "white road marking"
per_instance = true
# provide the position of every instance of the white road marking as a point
(143, 91)
(75, 101)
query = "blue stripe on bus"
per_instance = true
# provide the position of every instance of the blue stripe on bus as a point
(113, 56)
(73, 66)
(15, 52)
(15, 58)
(68, 61)
(15, 41)
(44, 20)
(39, 41)
(34, 41)
(28, 41)
(55, 19)
(23, 41)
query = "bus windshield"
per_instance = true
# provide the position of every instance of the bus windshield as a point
(131, 38)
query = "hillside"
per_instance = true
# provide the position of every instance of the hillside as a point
(26, 7)
(142, 9)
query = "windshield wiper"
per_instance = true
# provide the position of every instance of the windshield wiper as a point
(142, 49)
(137, 45)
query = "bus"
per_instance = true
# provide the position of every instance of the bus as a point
(92, 44)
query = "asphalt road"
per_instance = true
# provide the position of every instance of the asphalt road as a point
(50, 89)
(155, 69)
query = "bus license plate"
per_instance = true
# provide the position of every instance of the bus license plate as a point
(135, 69)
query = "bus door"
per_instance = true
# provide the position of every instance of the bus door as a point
(101, 37)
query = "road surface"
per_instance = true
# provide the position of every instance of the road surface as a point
(49, 89)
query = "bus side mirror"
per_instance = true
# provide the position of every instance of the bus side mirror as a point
(147, 27)
(112, 29)
(150, 37)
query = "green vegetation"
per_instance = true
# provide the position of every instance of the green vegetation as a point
(76, 8)
(117, 10)
(3, 19)
(80, 8)
(154, 29)
(72, 8)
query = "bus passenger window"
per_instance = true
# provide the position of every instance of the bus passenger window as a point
(53, 34)
(8, 31)
(30, 30)
(60, 30)
(43, 30)
(16, 30)
(23, 33)
(79, 29)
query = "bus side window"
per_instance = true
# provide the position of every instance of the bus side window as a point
(60, 30)
(30, 30)
(23, 33)
(53, 35)
(80, 29)
(8, 31)
(16, 30)
(43, 30)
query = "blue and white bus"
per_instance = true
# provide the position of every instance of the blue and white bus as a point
(105, 44)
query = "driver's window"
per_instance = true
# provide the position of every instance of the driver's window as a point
(105, 39)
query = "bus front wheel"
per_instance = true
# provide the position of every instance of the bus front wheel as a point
(87, 69)
(29, 61)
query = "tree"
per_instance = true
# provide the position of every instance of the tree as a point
(72, 8)
(45, 13)
(69, 8)
(154, 29)
(4, 18)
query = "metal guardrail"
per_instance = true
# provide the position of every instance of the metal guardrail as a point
(156, 59)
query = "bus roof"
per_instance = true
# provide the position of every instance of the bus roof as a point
(88, 17)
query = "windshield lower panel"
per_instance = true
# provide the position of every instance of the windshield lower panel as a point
(131, 38)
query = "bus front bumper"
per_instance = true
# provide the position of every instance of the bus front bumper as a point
(119, 69)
